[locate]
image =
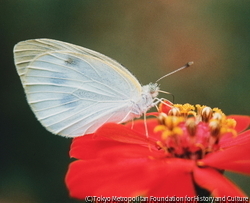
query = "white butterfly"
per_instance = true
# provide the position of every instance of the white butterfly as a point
(73, 90)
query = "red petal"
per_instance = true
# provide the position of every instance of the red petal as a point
(169, 176)
(242, 122)
(117, 144)
(88, 147)
(216, 183)
(230, 141)
(139, 127)
(131, 177)
(165, 108)
(123, 134)
(235, 159)
(156, 114)
(92, 149)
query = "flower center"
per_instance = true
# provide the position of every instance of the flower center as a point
(191, 132)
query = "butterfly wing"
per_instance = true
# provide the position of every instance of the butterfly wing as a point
(73, 90)
(26, 51)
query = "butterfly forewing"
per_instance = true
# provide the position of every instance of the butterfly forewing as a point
(26, 51)
(73, 90)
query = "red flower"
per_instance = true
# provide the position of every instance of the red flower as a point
(185, 153)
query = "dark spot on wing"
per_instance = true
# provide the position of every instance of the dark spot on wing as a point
(71, 61)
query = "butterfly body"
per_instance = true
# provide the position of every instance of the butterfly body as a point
(73, 90)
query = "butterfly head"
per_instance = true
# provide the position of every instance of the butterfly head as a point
(152, 89)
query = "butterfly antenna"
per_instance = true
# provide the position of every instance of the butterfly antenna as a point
(181, 68)
(167, 93)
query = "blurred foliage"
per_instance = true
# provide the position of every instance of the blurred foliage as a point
(150, 38)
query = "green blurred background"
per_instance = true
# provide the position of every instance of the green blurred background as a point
(150, 38)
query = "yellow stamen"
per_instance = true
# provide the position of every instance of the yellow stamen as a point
(185, 109)
(159, 128)
(218, 110)
(174, 132)
(224, 130)
(199, 108)
(177, 131)
(187, 132)
(231, 123)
